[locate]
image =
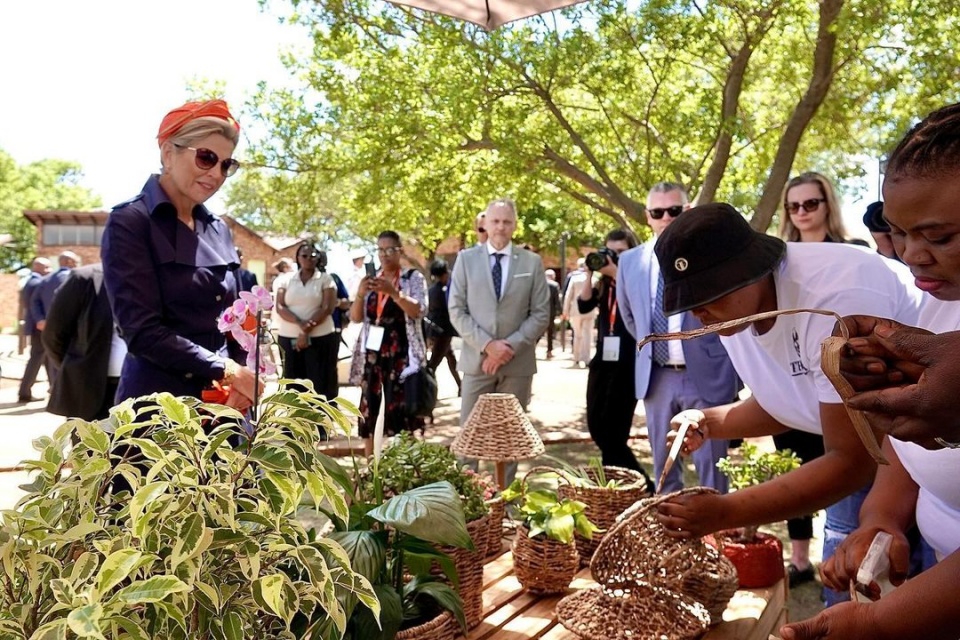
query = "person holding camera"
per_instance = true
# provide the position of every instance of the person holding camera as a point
(671, 376)
(610, 398)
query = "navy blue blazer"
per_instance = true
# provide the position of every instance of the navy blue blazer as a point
(168, 286)
(707, 361)
(27, 294)
(43, 296)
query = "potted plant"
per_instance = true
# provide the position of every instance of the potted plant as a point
(154, 526)
(409, 463)
(544, 550)
(757, 556)
(395, 535)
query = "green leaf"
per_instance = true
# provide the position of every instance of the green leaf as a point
(81, 531)
(173, 408)
(560, 528)
(233, 626)
(432, 512)
(384, 626)
(270, 457)
(367, 551)
(93, 436)
(149, 448)
(129, 626)
(276, 594)
(152, 589)
(116, 568)
(441, 593)
(210, 593)
(55, 630)
(63, 591)
(84, 568)
(189, 540)
(142, 499)
(85, 621)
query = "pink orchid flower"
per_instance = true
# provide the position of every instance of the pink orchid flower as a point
(257, 299)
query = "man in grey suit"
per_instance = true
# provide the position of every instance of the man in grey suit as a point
(500, 306)
(676, 375)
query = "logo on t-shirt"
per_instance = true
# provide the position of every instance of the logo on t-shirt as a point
(797, 368)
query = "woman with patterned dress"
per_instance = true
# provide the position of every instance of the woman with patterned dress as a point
(390, 346)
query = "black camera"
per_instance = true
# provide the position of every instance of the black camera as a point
(598, 259)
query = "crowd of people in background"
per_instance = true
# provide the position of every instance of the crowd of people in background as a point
(145, 321)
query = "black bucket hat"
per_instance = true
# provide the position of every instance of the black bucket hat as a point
(711, 251)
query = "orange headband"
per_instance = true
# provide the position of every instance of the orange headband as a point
(176, 119)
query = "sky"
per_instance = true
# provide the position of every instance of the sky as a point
(90, 81)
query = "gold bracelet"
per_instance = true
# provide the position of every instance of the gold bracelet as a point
(230, 371)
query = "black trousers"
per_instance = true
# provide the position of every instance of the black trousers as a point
(611, 402)
(441, 349)
(807, 446)
(317, 363)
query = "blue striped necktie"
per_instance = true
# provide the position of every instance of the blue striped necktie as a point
(659, 324)
(497, 275)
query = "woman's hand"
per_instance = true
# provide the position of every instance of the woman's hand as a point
(845, 621)
(841, 569)
(364, 287)
(384, 286)
(692, 516)
(303, 341)
(238, 401)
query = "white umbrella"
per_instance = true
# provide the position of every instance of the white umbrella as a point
(488, 14)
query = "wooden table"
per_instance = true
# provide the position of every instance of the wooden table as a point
(513, 613)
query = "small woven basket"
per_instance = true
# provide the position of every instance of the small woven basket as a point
(469, 566)
(638, 550)
(604, 504)
(543, 565)
(494, 541)
(443, 627)
(632, 612)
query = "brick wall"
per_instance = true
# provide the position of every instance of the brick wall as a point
(258, 256)
(9, 312)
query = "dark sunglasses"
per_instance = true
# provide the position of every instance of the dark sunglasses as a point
(809, 206)
(674, 211)
(207, 159)
(313, 255)
(481, 230)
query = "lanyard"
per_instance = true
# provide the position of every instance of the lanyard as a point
(382, 297)
(612, 306)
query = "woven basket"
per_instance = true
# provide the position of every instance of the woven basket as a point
(632, 612)
(604, 504)
(443, 627)
(494, 541)
(543, 565)
(638, 550)
(469, 566)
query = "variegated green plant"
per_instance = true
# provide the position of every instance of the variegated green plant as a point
(168, 521)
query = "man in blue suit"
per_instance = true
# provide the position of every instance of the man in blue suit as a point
(41, 267)
(676, 375)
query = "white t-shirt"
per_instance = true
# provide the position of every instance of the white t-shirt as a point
(936, 472)
(782, 366)
(304, 300)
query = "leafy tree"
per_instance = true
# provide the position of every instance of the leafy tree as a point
(416, 121)
(45, 184)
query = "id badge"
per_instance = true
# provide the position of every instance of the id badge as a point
(374, 338)
(611, 348)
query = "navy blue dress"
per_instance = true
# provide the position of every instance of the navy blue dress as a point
(168, 286)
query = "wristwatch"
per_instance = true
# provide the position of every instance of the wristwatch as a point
(947, 445)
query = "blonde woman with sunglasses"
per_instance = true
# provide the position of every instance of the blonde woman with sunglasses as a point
(811, 211)
(170, 265)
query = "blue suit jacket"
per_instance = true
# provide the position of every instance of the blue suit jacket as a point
(27, 294)
(707, 361)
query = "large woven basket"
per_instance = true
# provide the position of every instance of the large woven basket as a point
(469, 566)
(632, 612)
(604, 504)
(494, 538)
(443, 627)
(543, 565)
(638, 550)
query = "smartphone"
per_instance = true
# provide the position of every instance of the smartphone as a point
(371, 272)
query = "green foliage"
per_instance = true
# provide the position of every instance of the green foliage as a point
(756, 467)
(155, 526)
(408, 463)
(542, 512)
(45, 184)
(391, 543)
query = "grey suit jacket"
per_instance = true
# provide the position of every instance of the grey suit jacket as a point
(707, 361)
(520, 316)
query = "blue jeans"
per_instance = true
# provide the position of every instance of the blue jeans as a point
(842, 518)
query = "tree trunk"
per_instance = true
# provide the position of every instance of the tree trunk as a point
(817, 90)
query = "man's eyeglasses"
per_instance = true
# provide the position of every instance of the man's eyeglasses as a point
(674, 211)
(809, 206)
(389, 251)
(207, 159)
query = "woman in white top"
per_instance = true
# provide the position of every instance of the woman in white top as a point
(908, 382)
(305, 302)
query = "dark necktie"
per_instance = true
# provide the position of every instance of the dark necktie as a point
(659, 324)
(497, 275)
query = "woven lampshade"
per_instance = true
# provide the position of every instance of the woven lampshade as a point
(497, 430)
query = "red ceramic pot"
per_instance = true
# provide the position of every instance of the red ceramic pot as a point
(759, 564)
